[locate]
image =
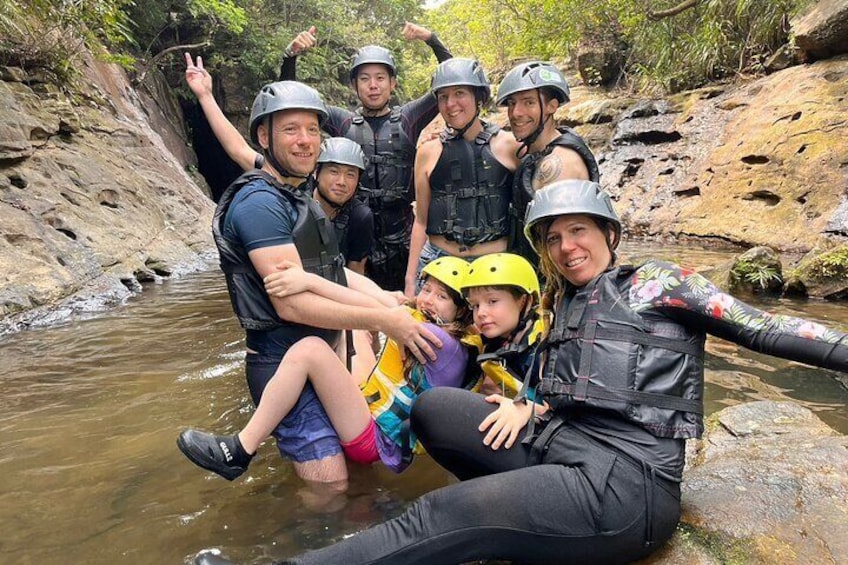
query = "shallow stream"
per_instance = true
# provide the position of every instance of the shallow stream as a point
(90, 410)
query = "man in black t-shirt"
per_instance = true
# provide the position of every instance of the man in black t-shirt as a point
(340, 165)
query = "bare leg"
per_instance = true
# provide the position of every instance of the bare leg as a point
(325, 478)
(310, 358)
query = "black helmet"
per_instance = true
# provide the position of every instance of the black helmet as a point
(461, 72)
(343, 151)
(285, 95)
(570, 197)
(529, 76)
(372, 54)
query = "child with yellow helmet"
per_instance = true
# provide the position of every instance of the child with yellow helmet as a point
(370, 418)
(502, 290)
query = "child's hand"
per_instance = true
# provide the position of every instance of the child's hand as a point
(505, 423)
(289, 279)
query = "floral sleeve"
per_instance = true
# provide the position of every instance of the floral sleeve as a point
(691, 299)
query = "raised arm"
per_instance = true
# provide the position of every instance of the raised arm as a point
(415, 32)
(303, 42)
(422, 110)
(200, 82)
(695, 301)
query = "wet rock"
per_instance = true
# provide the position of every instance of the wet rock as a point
(12, 74)
(756, 271)
(783, 58)
(595, 111)
(87, 195)
(766, 484)
(822, 273)
(750, 164)
(823, 31)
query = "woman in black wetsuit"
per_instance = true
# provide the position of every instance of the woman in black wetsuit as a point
(596, 479)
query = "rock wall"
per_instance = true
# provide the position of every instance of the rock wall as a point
(758, 163)
(95, 196)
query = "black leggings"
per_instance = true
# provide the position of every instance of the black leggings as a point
(583, 503)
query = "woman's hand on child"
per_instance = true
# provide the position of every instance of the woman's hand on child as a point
(289, 279)
(505, 423)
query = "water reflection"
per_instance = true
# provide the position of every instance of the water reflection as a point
(90, 411)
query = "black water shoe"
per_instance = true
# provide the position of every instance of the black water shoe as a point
(223, 455)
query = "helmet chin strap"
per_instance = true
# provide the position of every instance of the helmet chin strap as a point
(272, 159)
(531, 139)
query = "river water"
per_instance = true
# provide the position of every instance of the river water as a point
(90, 411)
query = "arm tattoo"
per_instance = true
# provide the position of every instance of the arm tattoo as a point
(548, 171)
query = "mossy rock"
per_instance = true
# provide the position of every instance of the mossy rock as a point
(823, 274)
(756, 271)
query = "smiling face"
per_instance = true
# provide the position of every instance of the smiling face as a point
(374, 84)
(496, 310)
(577, 247)
(435, 299)
(296, 139)
(525, 114)
(457, 105)
(337, 182)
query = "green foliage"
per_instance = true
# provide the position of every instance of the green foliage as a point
(221, 12)
(754, 275)
(828, 265)
(763, 276)
(49, 35)
(715, 39)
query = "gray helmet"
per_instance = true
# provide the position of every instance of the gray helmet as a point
(343, 151)
(461, 72)
(285, 95)
(372, 54)
(570, 197)
(529, 76)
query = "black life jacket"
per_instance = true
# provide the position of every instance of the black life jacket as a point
(341, 223)
(387, 180)
(522, 190)
(313, 236)
(601, 354)
(470, 191)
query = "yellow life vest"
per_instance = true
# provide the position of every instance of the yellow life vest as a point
(494, 364)
(390, 393)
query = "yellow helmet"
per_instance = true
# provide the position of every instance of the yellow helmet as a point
(450, 271)
(502, 269)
